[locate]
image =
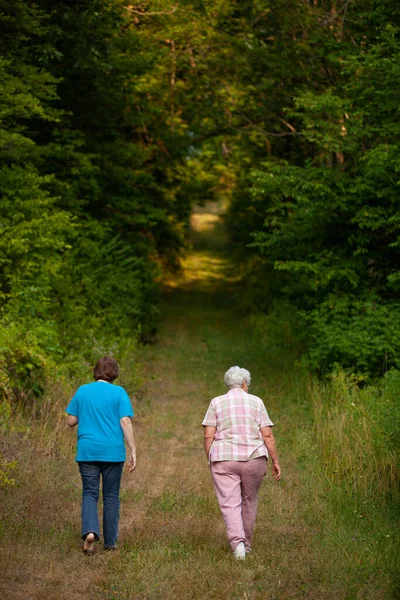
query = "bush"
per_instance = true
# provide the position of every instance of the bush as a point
(383, 405)
(363, 337)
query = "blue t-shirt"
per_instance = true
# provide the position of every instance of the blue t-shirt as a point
(99, 407)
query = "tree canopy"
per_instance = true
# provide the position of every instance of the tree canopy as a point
(115, 118)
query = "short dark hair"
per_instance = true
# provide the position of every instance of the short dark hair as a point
(106, 368)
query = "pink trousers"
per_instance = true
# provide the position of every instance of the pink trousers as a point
(236, 485)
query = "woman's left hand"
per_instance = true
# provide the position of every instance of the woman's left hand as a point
(276, 471)
(132, 462)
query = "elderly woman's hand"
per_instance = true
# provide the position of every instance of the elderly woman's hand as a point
(276, 471)
(209, 436)
(269, 441)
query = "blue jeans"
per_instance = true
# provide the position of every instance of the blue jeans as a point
(111, 473)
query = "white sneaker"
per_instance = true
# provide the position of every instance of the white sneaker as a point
(240, 551)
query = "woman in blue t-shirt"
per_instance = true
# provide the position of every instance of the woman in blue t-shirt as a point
(103, 413)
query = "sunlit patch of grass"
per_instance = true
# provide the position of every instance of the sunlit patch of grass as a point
(204, 222)
(204, 270)
(210, 265)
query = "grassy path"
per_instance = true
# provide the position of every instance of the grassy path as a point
(174, 539)
(173, 543)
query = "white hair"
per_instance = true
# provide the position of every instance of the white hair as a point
(235, 377)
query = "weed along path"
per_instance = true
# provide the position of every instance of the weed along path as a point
(172, 539)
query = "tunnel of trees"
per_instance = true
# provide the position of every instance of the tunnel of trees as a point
(116, 118)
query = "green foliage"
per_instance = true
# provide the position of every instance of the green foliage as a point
(6, 471)
(30, 348)
(383, 404)
(83, 216)
(117, 308)
(5, 409)
(363, 336)
(330, 211)
(115, 119)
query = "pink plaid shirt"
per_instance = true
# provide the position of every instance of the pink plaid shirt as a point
(238, 417)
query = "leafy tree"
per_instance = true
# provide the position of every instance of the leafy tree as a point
(332, 224)
(115, 118)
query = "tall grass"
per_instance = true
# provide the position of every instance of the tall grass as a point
(355, 435)
(359, 468)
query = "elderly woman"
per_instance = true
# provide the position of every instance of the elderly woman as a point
(237, 441)
(103, 414)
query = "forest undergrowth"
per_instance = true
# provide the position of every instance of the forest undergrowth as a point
(327, 530)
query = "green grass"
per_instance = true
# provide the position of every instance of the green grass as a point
(317, 536)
